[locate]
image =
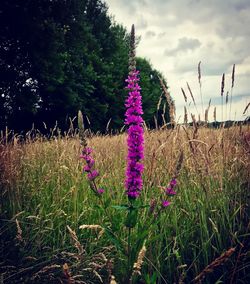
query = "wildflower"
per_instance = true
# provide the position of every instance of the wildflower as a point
(87, 168)
(170, 189)
(166, 203)
(135, 138)
(92, 175)
(173, 182)
(100, 190)
(134, 121)
(87, 151)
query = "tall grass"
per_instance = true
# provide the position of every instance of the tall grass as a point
(44, 192)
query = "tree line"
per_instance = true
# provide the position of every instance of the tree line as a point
(61, 56)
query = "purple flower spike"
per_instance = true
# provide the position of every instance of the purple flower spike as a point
(92, 175)
(170, 191)
(87, 169)
(87, 151)
(173, 182)
(135, 140)
(165, 203)
(100, 191)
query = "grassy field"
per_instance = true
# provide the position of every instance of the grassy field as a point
(202, 237)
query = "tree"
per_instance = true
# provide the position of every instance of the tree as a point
(61, 56)
(152, 97)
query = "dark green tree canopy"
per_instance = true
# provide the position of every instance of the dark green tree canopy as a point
(61, 56)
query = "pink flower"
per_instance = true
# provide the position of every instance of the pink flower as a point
(135, 138)
(92, 175)
(87, 168)
(165, 203)
(87, 151)
(170, 191)
(173, 182)
(100, 191)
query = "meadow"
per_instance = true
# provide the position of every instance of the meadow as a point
(54, 229)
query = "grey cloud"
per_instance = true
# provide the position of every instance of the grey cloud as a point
(188, 43)
(150, 34)
(210, 66)
(184, 44)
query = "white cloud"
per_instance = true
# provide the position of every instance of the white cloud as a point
(184, 44)
(176, 35)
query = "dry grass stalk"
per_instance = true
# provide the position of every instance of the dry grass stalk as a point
(184, 94)
(192, 96)
(75, 240)
(98, 275)
(221, 93)
(179, 164)
(112, 281)
(159, 103)
(66, 273)
(206, 115)
(233, 75)
(110, 266)
(210, 268)
(170, 102)
(19, 237)
(156, 123)
(183, 273)
(195, 126)
(189, 141)
(246, 108)
(138, 264)
(199, 79)
(227, 97)
(222, 84)
(95, 228)
(199, 72)
(232, 86)
(185, 115)
(47, 271)
(214, 114)
(107, 126)
(81, 129)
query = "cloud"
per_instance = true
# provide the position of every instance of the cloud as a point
(184, 44)
(176, 35)
(150, 34)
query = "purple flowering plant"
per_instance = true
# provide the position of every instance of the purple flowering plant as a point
(135, 138)
(135, 167)
(92, 173)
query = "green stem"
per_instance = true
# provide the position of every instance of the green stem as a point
(129, 251)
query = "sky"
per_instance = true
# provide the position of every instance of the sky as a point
(177, 34)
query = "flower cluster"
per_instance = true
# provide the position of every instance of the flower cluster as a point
(135, 140)
(88, 168)
(170, 191)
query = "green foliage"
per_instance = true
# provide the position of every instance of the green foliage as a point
(151, 93)
(44, 189)
(61, 56)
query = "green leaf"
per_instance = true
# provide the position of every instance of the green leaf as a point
(131, 219)
(111, 236)
(142, 206)
(121, 207)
